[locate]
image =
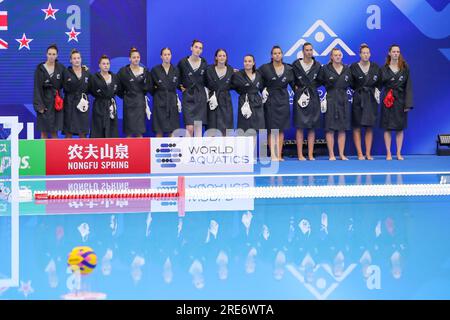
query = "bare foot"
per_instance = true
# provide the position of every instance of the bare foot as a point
(369, 157)
(343, 157)
(388, 157)
(311, 158)
(274, 159)
(302, 158)
(361, 158)
(333, 158)
(399, 157)
(280, 159)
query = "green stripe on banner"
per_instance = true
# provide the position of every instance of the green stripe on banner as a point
(32, 158)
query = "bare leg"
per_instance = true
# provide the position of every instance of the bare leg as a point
(54, 135)
(280, 145)
(399, 140)
(273, 145)
(369, 139)
(330, 144)
(357, 141)
(341, 145)
(387, 142)
(159, 134)
(44, 135)
(190, 130)
(299, 138)
(311, 141)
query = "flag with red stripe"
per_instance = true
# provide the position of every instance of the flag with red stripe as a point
(3, 20)
(3, 44)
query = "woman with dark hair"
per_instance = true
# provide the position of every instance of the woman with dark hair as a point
(48, 82)
(104, 86)
(397, 99)
(135, 84)
(76, 89)
(276, 77)
(166, 105)
(193, 85)
(366, 98)
(218, 82)
(248, 83)
(336, 77)
(306, 107)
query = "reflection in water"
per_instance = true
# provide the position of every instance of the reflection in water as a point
(247, 220)
(396, 268)
(365, 261)
(250, 263)
(84, 231)
(212, 230)
(265, 232)
(25, 288)
(106, 262)
(222, 263)
(280, 248)
(52, 275)
(136, 268)
(338, 269)
(148, 223)
(167, 271)
(305, 227)
(196, 270)
(280, 261)
(113, 225)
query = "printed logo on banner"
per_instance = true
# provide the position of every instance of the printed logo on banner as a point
(168, 155)
(218, 154)
(319, 36)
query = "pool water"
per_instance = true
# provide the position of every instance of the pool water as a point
(224, 248)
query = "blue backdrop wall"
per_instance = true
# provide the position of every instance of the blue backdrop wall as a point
(420, 27)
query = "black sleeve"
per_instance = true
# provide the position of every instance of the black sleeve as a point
(38, 94)
(93, 88)
(321, 76)
(180, 74)
(291, 77)
(149, 84)
(120, 88)
(233, 84)
(379, 83)
(66, 86)
(263, 81)
(177, 72)
(408, 92)
(89, 75)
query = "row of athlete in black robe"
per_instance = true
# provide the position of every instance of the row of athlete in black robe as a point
(273, 114)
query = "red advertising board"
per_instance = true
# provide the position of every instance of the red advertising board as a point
(98, 156)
